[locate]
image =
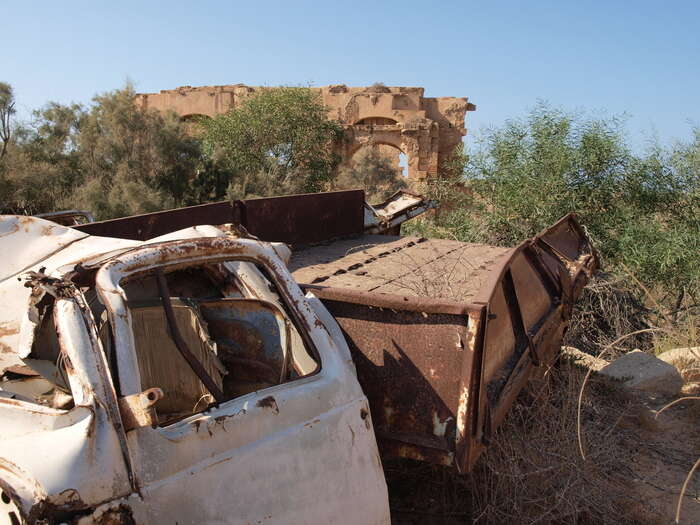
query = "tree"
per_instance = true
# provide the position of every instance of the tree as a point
(278, 141)
(7, 109)
(132, 160)
(112, 158)
(641, 210)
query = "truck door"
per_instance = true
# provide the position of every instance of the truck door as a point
(269, 425)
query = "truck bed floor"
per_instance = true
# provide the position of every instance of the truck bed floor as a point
(410, 266)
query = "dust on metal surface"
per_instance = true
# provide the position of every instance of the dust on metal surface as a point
(409, 266)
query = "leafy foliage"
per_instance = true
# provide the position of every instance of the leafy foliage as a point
(7, 110)
(278, 141)
(643, 212)
(112, 158)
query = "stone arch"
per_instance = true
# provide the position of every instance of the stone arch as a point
(359, 141)
(194, 117)
(410, 143)
(395, 154)
(376, 121)
(191, 122)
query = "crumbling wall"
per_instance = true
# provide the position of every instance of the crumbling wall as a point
(425, 129)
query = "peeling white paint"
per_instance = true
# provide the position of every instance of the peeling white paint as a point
(298, 452)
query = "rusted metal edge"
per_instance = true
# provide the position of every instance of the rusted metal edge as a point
(466, 449)
(305, 218)
(295, 219)
(486, 292)
(531, 345)
(391, 301)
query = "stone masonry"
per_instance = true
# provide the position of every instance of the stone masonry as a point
(425, 129)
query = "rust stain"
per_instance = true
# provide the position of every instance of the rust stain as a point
(8, 328)
(13, 229)
(268, 402)
(67, 498)
(47, 230)
(122, 515)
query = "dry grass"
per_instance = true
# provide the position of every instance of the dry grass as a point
(533, 472)
(607, 310)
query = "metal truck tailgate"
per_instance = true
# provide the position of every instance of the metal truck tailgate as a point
(445, 334)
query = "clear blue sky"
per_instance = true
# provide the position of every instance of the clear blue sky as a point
(613, 57)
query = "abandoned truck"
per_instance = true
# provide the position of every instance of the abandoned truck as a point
(188, 367)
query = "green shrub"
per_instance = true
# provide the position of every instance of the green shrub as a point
(278, 141)
(642, 211)
(112, 158)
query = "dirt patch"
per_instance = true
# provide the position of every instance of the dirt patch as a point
(672, 445)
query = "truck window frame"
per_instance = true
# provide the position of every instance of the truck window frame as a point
(148, 259)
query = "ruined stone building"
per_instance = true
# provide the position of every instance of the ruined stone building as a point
(399, 120)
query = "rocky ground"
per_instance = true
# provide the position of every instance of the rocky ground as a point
(667, 390)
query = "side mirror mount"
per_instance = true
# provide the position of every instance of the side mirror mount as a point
(138, 410)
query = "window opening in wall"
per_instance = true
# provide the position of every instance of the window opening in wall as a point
(403, 164)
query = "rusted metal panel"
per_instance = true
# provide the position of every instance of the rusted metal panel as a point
(410, 366)
(149, 225)
(528, 302)
(294, 219)
(445, 334)
(303, 219)
(413, 267)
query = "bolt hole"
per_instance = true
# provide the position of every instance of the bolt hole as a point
(364, 413)
(151, 396)
(5, 498)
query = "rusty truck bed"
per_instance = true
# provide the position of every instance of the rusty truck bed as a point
(410, 266)
(444, 334)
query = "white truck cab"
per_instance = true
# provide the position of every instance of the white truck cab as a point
(180, 381)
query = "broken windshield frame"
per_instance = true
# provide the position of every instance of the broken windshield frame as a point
(172, 257)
